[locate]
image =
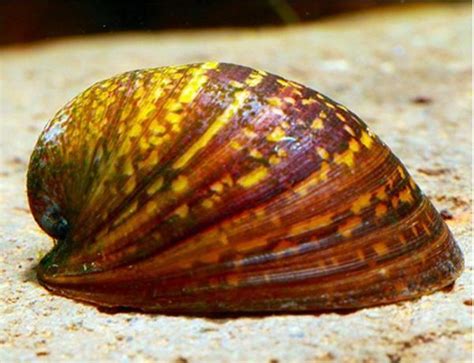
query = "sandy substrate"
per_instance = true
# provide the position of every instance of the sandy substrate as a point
(406, 72)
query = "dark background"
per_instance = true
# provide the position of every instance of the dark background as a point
(29, 20)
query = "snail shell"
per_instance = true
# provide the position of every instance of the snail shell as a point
(214, 187)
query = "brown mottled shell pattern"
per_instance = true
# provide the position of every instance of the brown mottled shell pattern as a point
(214, 187)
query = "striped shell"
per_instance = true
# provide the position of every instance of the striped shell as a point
(214, 187)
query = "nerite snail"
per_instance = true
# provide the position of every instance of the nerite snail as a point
(214, 187)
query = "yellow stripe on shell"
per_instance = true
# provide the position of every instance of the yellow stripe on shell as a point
(380, 248)
(255, 154)
(217, 187)
(155, 186)
(322, 152)
(234, 144)
(307, 101)
(180, 184)
(366, 140)
(317, 124)
(406, 196)
(310, 224)
(213, 129)
(349, 226)
(354, 145)
(340, 117)
(192, 88)
(207, 203)
(360, 203)
(346, 157)
(182, 211)
(254, 79)
(274, 101)
(380, 210)
(276, 135)
(254, 177)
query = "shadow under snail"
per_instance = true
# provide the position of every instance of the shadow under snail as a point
(214, 187)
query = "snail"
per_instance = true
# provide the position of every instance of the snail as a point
(214, 187)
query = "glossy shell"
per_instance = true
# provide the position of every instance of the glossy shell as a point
(214, 187)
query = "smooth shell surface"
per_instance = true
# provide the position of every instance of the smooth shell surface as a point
(214, 187)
